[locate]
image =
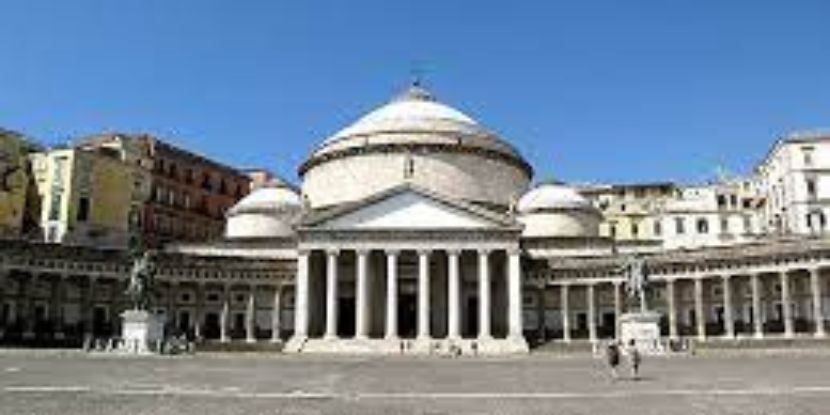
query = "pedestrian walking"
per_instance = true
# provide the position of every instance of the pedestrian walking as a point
(636, 359)
(612, 353)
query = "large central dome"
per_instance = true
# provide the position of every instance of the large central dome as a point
(415, 138)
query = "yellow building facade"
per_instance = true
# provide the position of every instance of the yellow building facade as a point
(14, 184)
(86, 197)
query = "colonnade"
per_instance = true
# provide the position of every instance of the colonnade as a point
(758, 282)
(27, 313)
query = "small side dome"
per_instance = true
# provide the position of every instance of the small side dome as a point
(268, 212)
(557, 210)
(552, 196)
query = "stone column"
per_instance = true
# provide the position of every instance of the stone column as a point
(592, 312)
(423, 295)
(617, 308)
(197, 314)
(225, 315)
(362, 294)
(484, 295)
(700, 316)
(276, 315)
(514, 298)
(301, 297)
(786, 305)
(88, 311)
(671, 297)
(171, 304)
(250, 316)
(728, 318)
(391, 295)
(818, 314)
(565, 311)
(541, 326)
(29, 300)
(331, 294)
(757, 324)
(57, 307)
(454, 296)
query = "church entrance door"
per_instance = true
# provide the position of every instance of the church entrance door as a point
(407, 316)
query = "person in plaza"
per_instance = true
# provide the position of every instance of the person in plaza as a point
(613, 355)
(636, 359)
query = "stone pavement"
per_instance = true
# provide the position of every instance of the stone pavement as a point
(74, 383)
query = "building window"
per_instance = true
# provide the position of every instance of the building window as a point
(721, 201)
(187, 200)
(635, 230)
(811, 188)
(807, 153)
(622, 207)
(747, 224)
(679, 226)
(658, 228)
(171, 197)
(702, 225)
(612, 230)
(55, 206)
(159, 194)
(724, 225)
(83, 209)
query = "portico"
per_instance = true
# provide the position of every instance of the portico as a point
(366, 284)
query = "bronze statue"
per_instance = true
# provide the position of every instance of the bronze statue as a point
(636, 275)
(142, 278)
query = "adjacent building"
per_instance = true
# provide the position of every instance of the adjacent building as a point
(189, 194)
(86, 197)
(795, 177)
(17, 203)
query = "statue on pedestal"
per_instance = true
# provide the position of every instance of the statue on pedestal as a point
(142, 279)
(637, 281)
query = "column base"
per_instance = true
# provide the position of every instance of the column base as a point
(820, 334)
(224, 340)
(424, 346)
(758, 335)
(250, 340)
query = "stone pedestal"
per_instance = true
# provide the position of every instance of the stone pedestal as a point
(644, 329)
(141, 332)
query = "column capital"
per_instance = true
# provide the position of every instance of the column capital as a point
(362, 252)
(514, 251)
(484, 251)
(392, 252)
(815, 271)
(303, 251)
(726, 277)
(424, 252)
(453, 251)
(332, 252)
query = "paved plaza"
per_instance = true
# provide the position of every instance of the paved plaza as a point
(34, 382)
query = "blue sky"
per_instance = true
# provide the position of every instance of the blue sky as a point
(588, 91)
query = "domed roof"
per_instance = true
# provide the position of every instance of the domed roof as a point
(270, 198)
(552, 196)
(414, 117)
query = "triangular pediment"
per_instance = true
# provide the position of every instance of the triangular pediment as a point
(411, 208)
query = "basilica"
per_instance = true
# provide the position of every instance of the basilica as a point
(417, 229)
